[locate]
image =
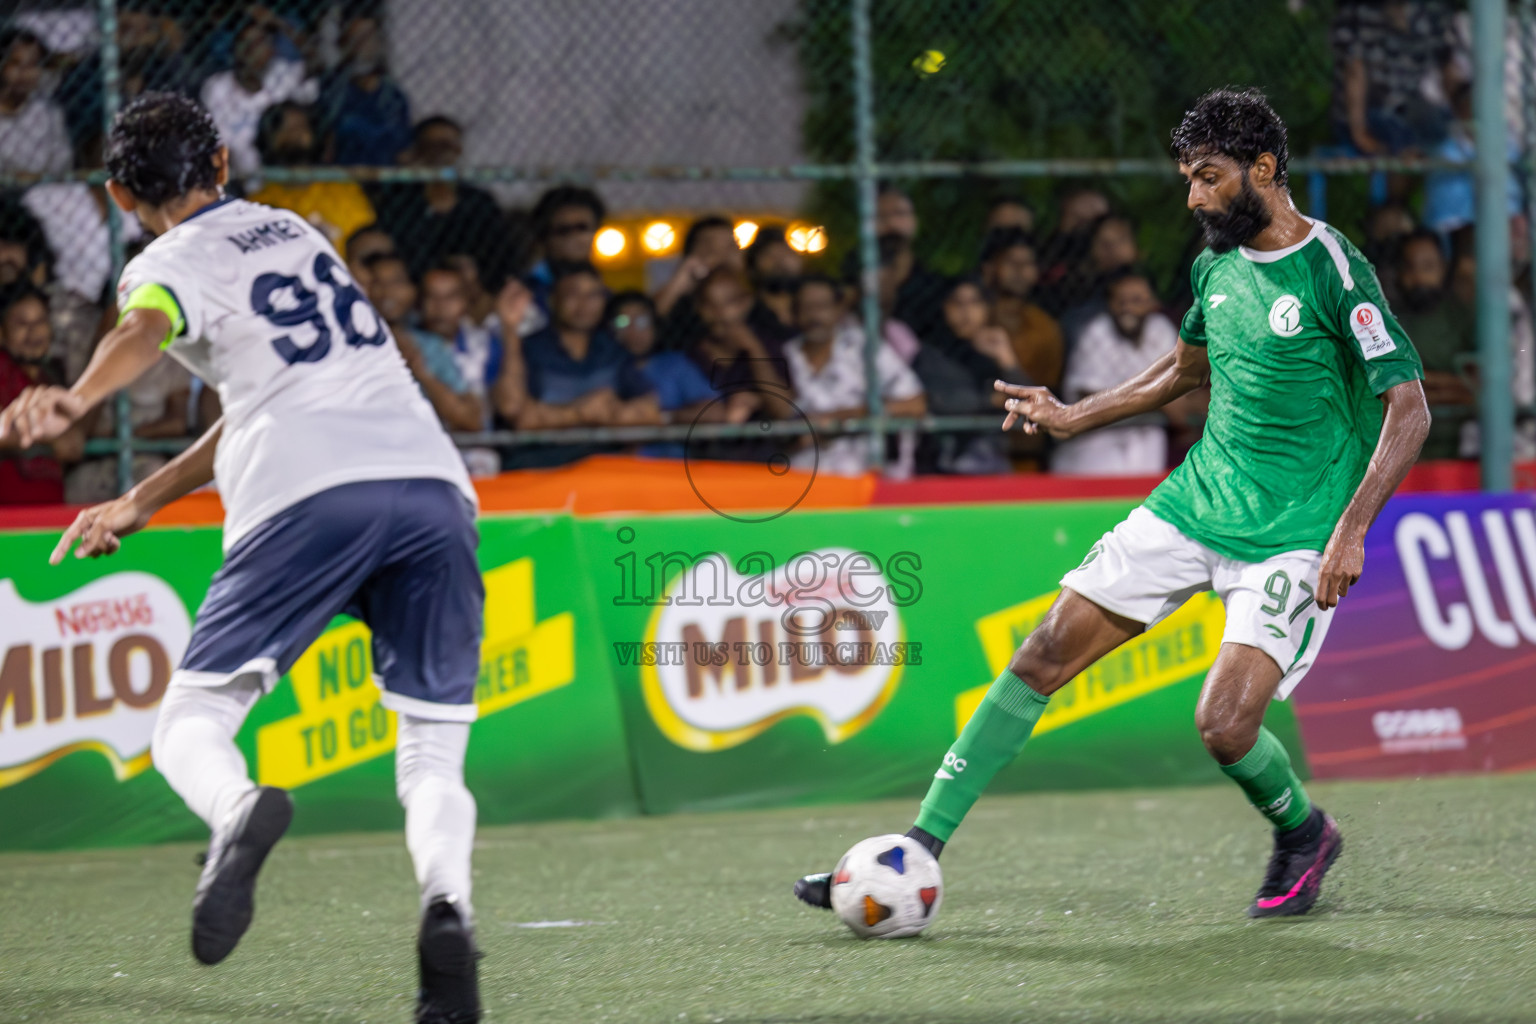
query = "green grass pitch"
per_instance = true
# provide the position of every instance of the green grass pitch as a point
(1122, 906)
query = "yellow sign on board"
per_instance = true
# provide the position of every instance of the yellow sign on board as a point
(1182, 645)
(341, 722)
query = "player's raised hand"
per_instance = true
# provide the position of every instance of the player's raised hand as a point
(100, 529)
(1343, 562)
(39, 415)
(1036, 407)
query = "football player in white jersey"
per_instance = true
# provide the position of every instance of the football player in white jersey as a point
(342, 494)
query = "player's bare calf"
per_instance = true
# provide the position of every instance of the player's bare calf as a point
(1230, 716)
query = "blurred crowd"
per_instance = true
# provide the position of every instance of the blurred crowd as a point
(1403, 87)
(507, 324)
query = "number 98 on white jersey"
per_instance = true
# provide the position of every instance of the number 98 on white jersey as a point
(314, 390)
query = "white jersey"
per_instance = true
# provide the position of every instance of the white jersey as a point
(315, 392)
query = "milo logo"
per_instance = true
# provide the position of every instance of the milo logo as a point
(716, 673)
(86, 672)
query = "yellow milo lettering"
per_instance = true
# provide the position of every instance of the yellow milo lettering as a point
(341, 722)
(1171, 652)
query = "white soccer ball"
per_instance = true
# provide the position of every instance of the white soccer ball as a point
(887, 887)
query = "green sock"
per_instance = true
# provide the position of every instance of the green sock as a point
(1266, 777)
(989, 742)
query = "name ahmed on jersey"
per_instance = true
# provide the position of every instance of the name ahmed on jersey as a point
(266, 236)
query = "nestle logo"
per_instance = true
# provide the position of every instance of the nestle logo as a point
(91, 617)
(1419, 731)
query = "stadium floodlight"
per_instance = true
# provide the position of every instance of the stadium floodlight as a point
(609, 243)
(807, 238)
(659, 237)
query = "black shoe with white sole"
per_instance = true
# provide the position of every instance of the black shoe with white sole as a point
(815, 890)
(225, 899)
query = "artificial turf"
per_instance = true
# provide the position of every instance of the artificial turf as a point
(1113, 906)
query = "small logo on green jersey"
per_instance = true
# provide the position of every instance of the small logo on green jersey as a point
(1285, 316)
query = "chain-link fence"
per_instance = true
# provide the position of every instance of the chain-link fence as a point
(972, 178)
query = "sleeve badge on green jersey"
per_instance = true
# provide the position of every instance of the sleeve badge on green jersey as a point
(1371, 330)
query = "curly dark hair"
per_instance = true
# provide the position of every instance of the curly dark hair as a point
(161, 147)
(1237, 123)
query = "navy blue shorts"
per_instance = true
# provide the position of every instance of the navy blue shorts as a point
(397, 554)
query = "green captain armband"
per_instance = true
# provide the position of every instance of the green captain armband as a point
(157, 296)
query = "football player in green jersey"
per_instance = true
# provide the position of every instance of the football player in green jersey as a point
(1317, 412)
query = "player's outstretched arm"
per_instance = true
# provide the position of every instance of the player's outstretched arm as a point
(126, 351)
(101, 528)
(1178, 373)
(1404, 427)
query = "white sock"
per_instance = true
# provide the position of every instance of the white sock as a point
(439, 810)
(194, 745)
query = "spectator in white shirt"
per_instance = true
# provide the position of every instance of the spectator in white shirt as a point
(827, 374)
(260, 78)
(32, 134)
(1123, 341)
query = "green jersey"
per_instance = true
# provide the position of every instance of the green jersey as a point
(1300, 342)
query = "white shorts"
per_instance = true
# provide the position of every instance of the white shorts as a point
(1145, 568)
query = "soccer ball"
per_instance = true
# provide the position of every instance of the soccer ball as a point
(887, 887)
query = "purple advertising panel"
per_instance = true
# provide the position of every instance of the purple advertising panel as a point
(1430, 664)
